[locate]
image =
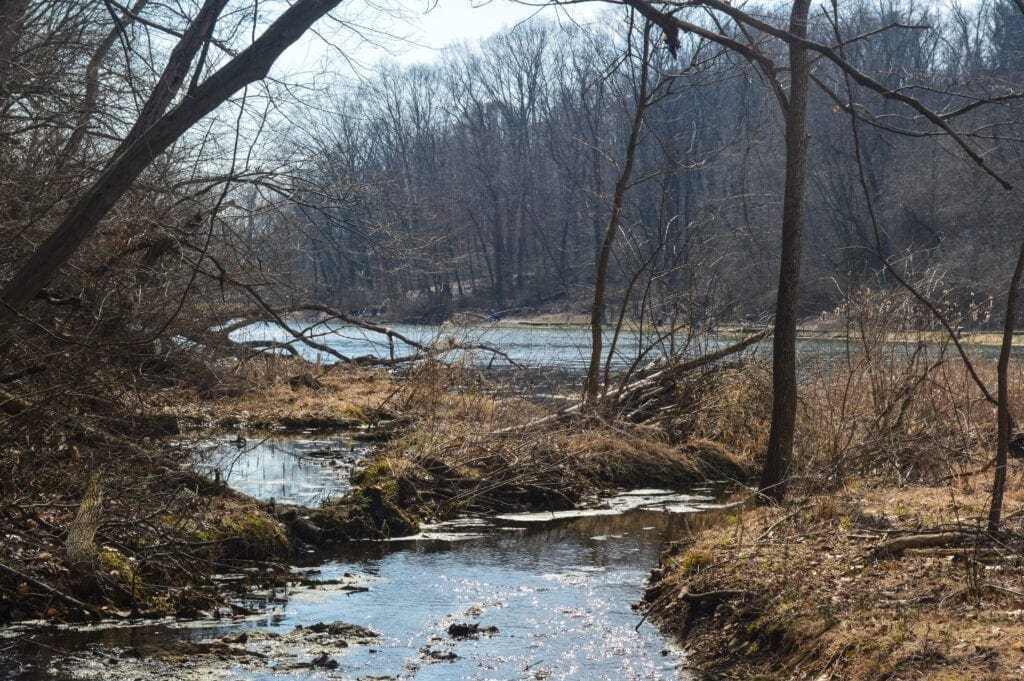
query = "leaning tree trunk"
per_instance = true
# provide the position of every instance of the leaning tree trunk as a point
(784, 390)
(151, 136)
(81, 542)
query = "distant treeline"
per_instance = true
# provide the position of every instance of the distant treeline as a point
(483, 181)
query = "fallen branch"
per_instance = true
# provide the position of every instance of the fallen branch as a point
(788, 516)
(648, 387)
(392, 334)
(704, 605)
(27, 371)
(53, 591)
(277, 316)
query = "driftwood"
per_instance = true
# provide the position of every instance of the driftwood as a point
(896, 547)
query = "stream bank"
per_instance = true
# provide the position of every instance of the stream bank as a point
(873, 582)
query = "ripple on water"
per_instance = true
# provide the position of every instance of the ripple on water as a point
(289, 470)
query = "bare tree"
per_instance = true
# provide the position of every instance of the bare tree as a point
(156, 128)
(643, 100)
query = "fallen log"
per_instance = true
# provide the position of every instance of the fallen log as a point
(896, 547)
(299, 527)
(676, 368)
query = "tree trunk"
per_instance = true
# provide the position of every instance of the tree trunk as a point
(784, 389)
(81, 539)
(621, 185)
(1003, 416)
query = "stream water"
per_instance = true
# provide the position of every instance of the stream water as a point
(556, 588)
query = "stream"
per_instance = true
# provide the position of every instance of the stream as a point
(519, 596)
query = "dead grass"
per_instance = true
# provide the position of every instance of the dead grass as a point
(729, 404)
(472, 447)
(439, 468)
(350, 397)
(906, 414)
(893, 440)
(806, 599)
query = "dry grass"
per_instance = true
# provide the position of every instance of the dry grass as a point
(729, 404)
(903, 413)
(351, 396)
(442, 467)
(893, 439)
(812, 602)
(471, 446)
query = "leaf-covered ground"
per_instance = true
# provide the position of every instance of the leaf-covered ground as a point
(808, 591)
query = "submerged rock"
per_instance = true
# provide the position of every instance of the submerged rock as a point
(347, 632)
(438, 655)
(324, 661)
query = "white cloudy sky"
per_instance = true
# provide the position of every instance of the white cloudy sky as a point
(414, 30)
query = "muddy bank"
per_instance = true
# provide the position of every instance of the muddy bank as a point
(305, 649)
(867, 584)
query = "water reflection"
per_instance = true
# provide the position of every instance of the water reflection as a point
(565, 348)
(288, 470)
(558, 592)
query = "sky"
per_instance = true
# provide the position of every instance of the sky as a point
(364, 32)
(435, 26)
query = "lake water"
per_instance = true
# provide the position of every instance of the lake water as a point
(566, 348)
(558, 356)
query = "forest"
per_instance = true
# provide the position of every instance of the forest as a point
(527, 127)
(707, 308)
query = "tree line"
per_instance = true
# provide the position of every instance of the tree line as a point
(482, 181)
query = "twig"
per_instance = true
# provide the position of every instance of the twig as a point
(791, 514)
